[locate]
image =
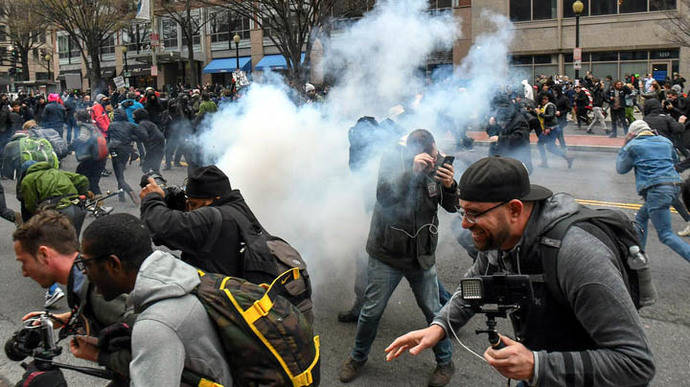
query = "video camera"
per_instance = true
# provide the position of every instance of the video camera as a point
(495, 296)
(37, 339)
(175, 196)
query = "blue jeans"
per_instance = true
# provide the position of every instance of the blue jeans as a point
(656, 207)
(71, 128)
(383, 279)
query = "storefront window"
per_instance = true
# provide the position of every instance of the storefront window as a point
(520, 10)
(629, 6)
(544, 9)
(661, 5)
(604, 7)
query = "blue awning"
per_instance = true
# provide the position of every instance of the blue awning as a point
(228, 65)
(273, 62)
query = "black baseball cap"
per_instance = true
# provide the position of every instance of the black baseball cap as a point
(499, 179)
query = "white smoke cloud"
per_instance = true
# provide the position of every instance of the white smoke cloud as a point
(291, 162)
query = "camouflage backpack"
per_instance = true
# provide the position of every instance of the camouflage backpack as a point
(267, 340)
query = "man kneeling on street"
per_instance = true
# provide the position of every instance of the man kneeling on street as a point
(588, 335)
(172, 331)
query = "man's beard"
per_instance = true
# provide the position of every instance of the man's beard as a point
(491, 240)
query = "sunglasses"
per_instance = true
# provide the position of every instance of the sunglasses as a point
(82, 263)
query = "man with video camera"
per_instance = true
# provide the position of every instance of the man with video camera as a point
(207, 238)
(47, 248)
(587, 335)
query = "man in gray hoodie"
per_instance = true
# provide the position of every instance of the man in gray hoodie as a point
(173, 331)
(592, 338)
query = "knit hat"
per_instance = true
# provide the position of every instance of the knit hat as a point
(309, 87)
(677, 88)
(207, 182)
(638, 126)
(52, 97)
(99, 97)
(499, 179)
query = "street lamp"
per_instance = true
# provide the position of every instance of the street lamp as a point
(124, 52)
(13, 69)
(47, 57)
(236, 39)
(578, 7)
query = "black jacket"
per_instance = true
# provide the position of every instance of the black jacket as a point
(123, 132)
(53, 116)
(549, 115)
(402, 232)
(663, 123)
(563, 105)
(513, 140)
(621, 99)
(208, 240)
(16, 121)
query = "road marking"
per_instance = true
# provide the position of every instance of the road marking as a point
(625, 206)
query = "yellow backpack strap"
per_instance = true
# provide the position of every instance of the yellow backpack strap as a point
(306, 378)
(262, 306)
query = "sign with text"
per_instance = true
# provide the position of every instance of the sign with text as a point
(119, 82)
(577, 58)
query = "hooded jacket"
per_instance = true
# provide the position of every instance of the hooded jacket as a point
(123, 132)
(43, 182)
(663, 123)
(153, 133)
(513, 138)
(173, 330)
(652, 157)
(54, 116)
(616, 350)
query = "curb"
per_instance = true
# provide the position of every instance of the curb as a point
(582, 148)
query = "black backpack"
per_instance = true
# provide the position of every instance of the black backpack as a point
(612, 227)
(265, 257)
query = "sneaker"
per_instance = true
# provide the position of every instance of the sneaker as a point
(442, 375)
(53, 298)
(348, 316)
(350, 369)
(684, 232)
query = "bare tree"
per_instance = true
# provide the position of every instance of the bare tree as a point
(89, 22)
(678, 24)
(290, 24)
(25, 30)
(191, 23)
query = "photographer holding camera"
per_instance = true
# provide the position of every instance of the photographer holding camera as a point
(589, 334)
(48, 249)
(208, 239)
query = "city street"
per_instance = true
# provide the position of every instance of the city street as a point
(592, 178)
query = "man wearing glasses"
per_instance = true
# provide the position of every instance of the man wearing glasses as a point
(590, 337)
(48, 250)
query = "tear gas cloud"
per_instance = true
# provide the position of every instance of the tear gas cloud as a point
(291, 162)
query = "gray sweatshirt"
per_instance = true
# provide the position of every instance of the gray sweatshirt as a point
(174, 331)
(597, 294)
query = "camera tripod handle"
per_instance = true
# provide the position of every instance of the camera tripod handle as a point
(494, 338)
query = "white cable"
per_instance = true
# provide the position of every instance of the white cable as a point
(450, 327)
(432, 229)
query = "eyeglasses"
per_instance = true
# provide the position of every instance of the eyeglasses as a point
(471, 216)
(82, 263)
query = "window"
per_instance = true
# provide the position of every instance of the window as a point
(169, 33)
(3, 54)
(634, 55)
(520, 10)
(137, 36)
(222, 21)
(604, 7)
(3, 33)
(604, 56)
(521, 60)
(629, 6)
(661, 5)
(67, 47)
(194, 24)
(664, 54)
(34, 53)
(525, 10)
(108, 47)
(440, 4)
(544, 9)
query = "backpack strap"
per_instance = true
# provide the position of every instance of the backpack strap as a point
(550, 244)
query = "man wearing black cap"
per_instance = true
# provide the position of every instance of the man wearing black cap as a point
(208, 238)
(593, 337)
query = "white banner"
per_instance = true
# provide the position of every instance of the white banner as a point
(143, 10)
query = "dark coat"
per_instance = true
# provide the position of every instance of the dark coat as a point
(513, 140)
(53, 116)
(123, 132)
(663, 123)
(612, 96)
(406, 206)
(207, 239)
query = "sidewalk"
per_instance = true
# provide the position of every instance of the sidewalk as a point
(575, 139)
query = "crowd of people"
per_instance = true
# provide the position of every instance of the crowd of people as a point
(581, 328)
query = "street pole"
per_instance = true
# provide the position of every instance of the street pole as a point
(577, 41)
(237, 38)
(154, 47)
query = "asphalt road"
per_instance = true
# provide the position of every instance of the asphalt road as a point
(593, 177)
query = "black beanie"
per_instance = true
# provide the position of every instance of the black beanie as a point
(207, 182)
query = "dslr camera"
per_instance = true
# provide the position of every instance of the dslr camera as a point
(36, 338)
(175, 196)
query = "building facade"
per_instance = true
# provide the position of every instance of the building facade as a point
(618, 37)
